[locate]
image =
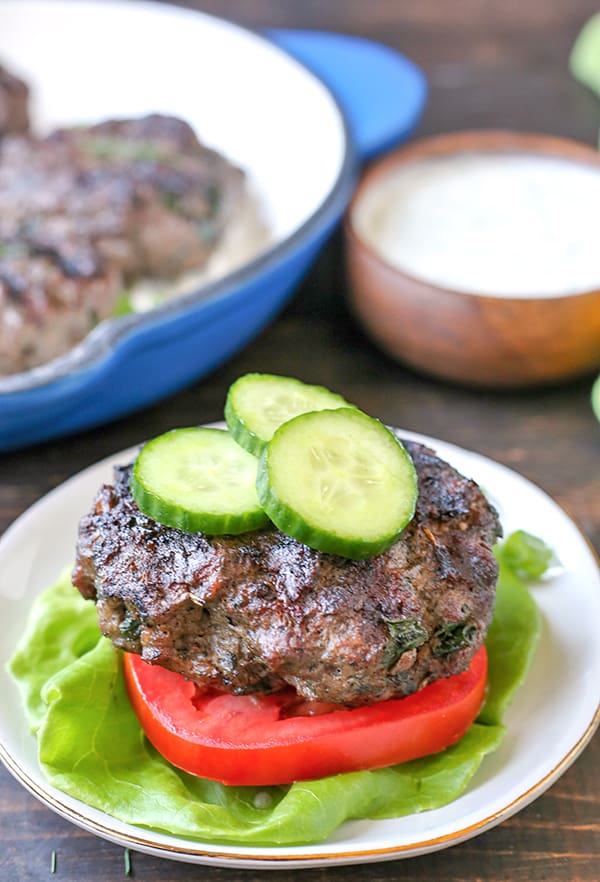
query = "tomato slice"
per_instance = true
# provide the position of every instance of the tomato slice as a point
(257, 739)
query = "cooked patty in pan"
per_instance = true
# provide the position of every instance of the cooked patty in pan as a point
(86, 212)
(14, 104)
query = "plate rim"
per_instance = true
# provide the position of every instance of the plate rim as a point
(302, 860)
(244, 856)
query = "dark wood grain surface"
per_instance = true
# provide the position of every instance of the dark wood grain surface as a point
(500, 63)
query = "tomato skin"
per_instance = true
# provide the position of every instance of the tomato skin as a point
(242, 740)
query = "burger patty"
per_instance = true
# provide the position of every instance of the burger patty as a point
(14, 101)
(144, 193)
(258, 612)
(49, 300)
(106, 205)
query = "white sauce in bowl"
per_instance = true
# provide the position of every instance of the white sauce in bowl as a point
(497, 224)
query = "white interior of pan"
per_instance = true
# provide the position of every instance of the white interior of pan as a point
(93, 60)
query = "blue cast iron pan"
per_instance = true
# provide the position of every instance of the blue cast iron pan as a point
(125, 364)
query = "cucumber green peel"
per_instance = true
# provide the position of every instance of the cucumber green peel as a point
(338, 481)
(257, 404)
(198, 480)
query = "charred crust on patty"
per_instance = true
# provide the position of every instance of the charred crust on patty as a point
(260, 611)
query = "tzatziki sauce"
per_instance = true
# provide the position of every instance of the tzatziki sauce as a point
(495, 224)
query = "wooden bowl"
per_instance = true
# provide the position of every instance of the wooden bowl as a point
(465, 337)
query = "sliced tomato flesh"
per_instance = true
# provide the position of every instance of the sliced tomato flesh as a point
(257, 739)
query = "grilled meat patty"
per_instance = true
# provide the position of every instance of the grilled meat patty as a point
(256, 612)
(49, 300)
(109, 204)
(14, 101)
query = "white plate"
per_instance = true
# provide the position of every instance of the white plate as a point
(548, 723)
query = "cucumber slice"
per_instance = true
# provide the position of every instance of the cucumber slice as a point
(257, 404)
(198, 480)
(338, 481)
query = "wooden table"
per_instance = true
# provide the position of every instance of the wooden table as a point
(495, 63)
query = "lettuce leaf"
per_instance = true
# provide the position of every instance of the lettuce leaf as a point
(92, 747)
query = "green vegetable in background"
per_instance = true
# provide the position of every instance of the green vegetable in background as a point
(585, 66)
(91, 745)
(124, 305)
(596, 398)
(585, 57)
